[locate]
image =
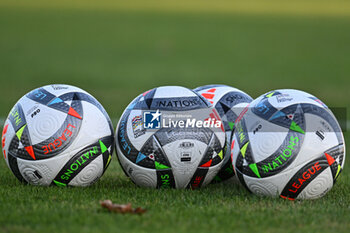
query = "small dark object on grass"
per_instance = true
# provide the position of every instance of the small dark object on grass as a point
(121, 208)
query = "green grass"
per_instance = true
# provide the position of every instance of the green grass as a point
(116, 54)
(221, 208)
(116, 50)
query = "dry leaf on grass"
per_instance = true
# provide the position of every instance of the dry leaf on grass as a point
(108, 204)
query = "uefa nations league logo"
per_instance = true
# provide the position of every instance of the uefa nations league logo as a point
(152, 120)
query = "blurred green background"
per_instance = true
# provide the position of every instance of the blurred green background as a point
(118, 49)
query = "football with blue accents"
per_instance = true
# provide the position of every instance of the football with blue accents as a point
(58, 135)
(170, 137)
(229, 103)
(289, 144)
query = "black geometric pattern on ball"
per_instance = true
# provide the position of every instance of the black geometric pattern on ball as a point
(72, 122)
(82, 159)
(307, 174)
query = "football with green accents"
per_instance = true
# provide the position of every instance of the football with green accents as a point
(289, 144)
(58, 135)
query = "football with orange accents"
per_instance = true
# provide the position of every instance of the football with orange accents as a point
(170, 137)
(58, 135)
(289, 144)
(229, 102)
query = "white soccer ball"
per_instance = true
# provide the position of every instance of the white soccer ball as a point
(229, 103)
(170, 137)
(288, 144)
(58, 135)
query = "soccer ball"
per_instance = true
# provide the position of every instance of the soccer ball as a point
(229, 103)
(170, 137)
(288, 144)
(58, 135)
